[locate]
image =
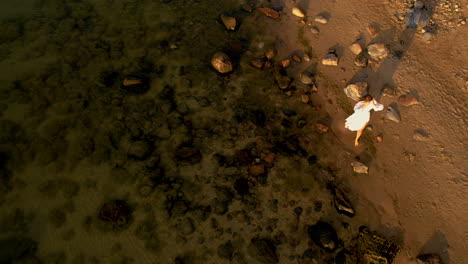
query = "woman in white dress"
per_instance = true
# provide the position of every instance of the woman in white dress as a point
(361, 116)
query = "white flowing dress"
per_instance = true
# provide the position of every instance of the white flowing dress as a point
(361, 114)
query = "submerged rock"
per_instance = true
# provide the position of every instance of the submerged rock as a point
(263, 250)
(221, 62)
(269, 12)
(359, 167)
(229, 22)
(392, 114)
(324, 235)
(356, 91)
(377, 51)
(407, 100)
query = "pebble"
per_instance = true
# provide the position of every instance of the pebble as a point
(321, 128)
(330, 59)
(297, 12)
(356, 48)
(306, 57)
(285, 63)
(359, 167)
(314, 30)
(305, 98)
(321, 19)
(283, 82)
(324, 235)
(305, 78)
(296, 58)
(377, 51)
(221, 62)
(229, 22)
(269, 12)
(257, 63)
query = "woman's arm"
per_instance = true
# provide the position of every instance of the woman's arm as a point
(376, 106)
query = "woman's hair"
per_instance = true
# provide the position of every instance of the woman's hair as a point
(366, 98)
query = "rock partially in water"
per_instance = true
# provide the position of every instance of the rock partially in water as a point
(407, 100)
(229, 22)
(359, 167)
(342, 205)
(324, 235)
(392, 114)
(263, 250)
(356, 91)
(330, 59)
(321, 19)
(356, 48)
(297, 12)
(430, 258)
(116, 212)
(377, 51)
(221, 62)
(269, 12)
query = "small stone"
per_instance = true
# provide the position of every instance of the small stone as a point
(305, 78)
(297, 12)
(356, 91)
(330, 59)
(285, 63)
(321, 19)
(221, 62)
(305, 98)
(324, 235)
(283, 82)
(421, 136)
(342, 204)
(296, 58)
(356, 48)
(269, 12)
(257, 63)
(407, 100)
(379, 139)
(377, 51)
(270, 53)
(359, 167)
(373, 30)
(361, 60)
(321, 128)
(247, 8)
(306, 57)
(314, 30)
(229, 22)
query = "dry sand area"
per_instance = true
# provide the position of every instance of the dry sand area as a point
(121, 143)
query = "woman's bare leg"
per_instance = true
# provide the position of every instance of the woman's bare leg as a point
(358, 135)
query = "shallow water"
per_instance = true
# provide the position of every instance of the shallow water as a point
(201, 163)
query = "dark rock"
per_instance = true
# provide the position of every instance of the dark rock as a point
(116, 212)
(342, 205)
(324, 235)
(361, 60)
(140, 150)
(263, 250)
(301, 123)
(340, 258)
(417, 18)
(289, 112)
(312, 160)
(243, 157)
(16, 248)
(430, 258)
(226, 250)
(241, 185)
(259, 118)
(286, 123)
(187, 153)
(298, 211)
